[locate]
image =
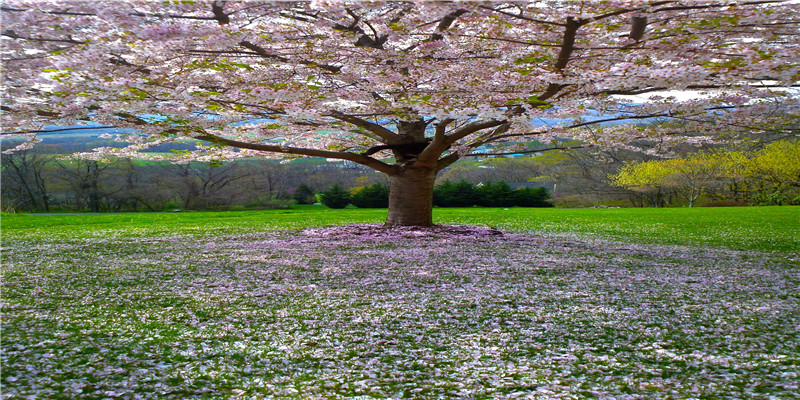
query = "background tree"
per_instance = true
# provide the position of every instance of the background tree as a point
(264, 181)
(335, 197)
(767, 176)
(24, 181)
(86, 178)
(372, 196)
(733, 178)
(532, 197)
(692, 176)
(460, 194)
(688, 178)
(304, 195)
(775, 173)
(429, 82)
(651, 179)
(495, 194)
(202, 185)
(582, 176)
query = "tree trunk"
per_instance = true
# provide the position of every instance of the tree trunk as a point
(411, 198)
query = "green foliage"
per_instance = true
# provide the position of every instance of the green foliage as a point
(304, 195)
(532, 197)
(774, 174)
(495, 194)
(335, 197)
(770, 176)
(644, 176)
(372, 196)
(490, 194)
(775, 198)
(461, 194)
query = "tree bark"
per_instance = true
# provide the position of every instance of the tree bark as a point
(411, 198)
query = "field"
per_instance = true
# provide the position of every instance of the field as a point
(604, 303)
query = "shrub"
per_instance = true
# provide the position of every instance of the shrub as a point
(495, 194)
(448, 194)
(532, 197)
(372, 196)
(335, 197)
(775, 199)
(304, 195)
(491, 194)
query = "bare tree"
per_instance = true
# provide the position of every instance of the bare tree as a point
(24, 180)
(86, 179)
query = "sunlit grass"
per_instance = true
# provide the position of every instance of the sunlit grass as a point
(742, 228)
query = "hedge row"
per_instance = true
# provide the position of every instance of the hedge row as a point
(491, 194)
(448, 194)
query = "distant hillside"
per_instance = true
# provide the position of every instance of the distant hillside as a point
(80, 138)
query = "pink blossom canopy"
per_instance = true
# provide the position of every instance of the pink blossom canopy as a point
(332, 78)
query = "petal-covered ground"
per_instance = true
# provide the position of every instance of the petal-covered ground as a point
(362, 312)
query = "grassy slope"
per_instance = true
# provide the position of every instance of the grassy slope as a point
(753, 228)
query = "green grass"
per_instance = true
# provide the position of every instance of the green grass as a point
(241, 305)
(750, 228)
(740, 228)
(301, 315)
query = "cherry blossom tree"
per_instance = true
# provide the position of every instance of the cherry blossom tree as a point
(428, 82)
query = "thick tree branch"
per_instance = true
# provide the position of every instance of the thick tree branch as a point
(638, 26)
(654, 115)
(264, 53)
(78, 128)
(38, 112)
(441, 127)
(438, 145)
(13, 35)
(446, 161)
(529, 151)
(567, 47)
(445, 23)
(383, 133)
(492, 136)
(121, 61)
(354, 157)
(363, 40)
(471, 128)
(522, 17)
(219, 15)
(631, 92)
(223, 19)
(630, 10)
(552, 90)
(268, 110)
(665, 114)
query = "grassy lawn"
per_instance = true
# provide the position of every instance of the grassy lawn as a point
(607, 303)
(742, 228)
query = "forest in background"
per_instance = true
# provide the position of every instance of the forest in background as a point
(43, 179)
